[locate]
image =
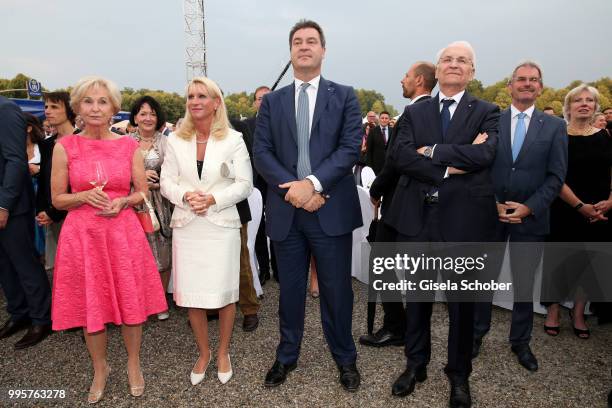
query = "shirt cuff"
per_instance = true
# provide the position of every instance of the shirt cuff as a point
(433, 149)
(445, 174)
(315, 182)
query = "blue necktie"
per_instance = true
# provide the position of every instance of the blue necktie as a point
(445, 115)
(519, 135)
(303, 132)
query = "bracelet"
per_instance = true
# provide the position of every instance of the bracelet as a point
(579, 206)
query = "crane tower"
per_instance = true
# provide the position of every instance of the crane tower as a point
(195, 39)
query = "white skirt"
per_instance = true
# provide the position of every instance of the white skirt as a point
(205, 264)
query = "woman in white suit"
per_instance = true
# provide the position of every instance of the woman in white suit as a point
(205, 173)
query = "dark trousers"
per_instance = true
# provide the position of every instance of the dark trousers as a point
(333, 255)
(394, 318)
(22, 276)
(418, 316)
(524, 259)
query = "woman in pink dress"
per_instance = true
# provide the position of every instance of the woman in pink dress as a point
(104, 270)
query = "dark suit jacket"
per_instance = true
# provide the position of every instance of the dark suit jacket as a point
(385, 181)
(16, 192)
(376, 149)
(536, 177)
(335, 140)
(43, 195)
(467, 208)
(244, 211)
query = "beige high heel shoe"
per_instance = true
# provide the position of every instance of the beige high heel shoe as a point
(95, 396)
(136, 390)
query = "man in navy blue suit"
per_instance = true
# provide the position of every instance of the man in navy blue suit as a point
(528, 173)
(307, 139)
(443, 153)
(22, 276)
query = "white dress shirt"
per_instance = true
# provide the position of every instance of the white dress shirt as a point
(514, 118)
(311, 91)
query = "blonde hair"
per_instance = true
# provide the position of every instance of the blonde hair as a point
(86, 83)
(572, 94)
(220, 123)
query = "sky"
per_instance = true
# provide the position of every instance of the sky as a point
(141, 44)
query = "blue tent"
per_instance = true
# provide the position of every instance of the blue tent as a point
(36, 108)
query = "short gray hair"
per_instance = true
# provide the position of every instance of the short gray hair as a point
(463, 44)
(572, 94)
(527, 63)
(86, 83)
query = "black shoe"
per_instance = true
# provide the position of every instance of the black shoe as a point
(476, 344)
(264, 277)
(278, 374)
(34, 335)
(10, 327)
(525, 357)
(460, 394)
(381, 338)
(349, 377)
(404, 385)
(250, 322)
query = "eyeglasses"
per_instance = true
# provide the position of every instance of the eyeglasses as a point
(458, 60)
(525, 79)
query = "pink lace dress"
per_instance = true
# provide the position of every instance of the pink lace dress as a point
(104, 269)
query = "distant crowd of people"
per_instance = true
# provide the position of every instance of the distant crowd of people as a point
(119, 216)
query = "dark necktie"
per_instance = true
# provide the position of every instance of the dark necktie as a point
(445, 115)
(384, 131)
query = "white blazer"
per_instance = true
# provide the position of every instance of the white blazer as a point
(179, 174)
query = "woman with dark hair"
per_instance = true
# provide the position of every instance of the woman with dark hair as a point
(36, 135)
(148, 118)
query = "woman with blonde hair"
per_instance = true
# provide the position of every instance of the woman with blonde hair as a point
(206, 171)
(579, 213)
(104, 269)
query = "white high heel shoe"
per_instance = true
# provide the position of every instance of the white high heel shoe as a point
(225, 377)
(197, 378)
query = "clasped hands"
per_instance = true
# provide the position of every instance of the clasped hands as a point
(97, 198)
(480, 138)
(517, 212)
(596, 212)
(199, 202)
(302, 195)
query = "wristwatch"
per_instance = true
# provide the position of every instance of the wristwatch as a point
(428, 152)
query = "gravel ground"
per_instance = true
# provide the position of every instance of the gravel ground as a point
(573, 372)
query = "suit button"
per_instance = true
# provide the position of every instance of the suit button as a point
(513, 169)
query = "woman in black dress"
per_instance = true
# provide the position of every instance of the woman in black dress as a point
(579, 213)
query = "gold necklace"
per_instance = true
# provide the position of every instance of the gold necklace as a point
(572, 130)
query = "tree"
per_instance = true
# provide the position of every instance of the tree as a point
(240, 105)
(475, 88)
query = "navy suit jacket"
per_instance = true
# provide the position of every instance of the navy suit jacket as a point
(466, 206)
(16, 192)
(536, 177)
(335, 140)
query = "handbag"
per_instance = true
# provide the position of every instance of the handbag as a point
(147, 217)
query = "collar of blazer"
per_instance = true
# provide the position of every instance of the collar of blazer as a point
(462, 113)
(505, 124)
(326, 90)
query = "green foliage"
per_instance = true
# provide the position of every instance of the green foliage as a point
(240, 105)
(370, 100)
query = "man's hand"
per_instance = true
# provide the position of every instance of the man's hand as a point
(3, 218)
(375, 201)
(43, 219)
(299, 192)
(481, 138)
(421, 150)
(516, 217)
(314, 203)
(454, 170)
(501, 210)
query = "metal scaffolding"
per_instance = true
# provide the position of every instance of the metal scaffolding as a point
(195, 39)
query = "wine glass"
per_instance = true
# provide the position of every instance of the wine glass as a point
(98, 177)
